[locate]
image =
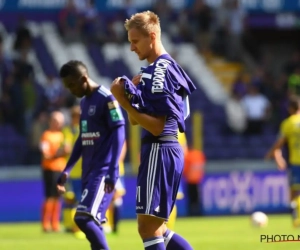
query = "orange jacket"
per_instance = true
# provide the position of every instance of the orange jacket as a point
(50, 144)
(194, 161)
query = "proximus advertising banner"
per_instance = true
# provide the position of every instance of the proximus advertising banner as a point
(245, 192)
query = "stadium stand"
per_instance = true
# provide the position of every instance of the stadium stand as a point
(214, 74)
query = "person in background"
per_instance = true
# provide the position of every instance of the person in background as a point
(290, 136)
(193, 172)
(294, 82)
(257, 108)
(53, 162)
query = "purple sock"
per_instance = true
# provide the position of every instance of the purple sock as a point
(94, 233)
(155, 243)
(175, 241)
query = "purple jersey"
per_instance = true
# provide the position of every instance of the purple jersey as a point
(163, 91)
(100, 114)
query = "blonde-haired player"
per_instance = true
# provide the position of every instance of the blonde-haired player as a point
(162, 95)
(290, 135)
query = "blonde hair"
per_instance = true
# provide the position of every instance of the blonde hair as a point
(145, 21)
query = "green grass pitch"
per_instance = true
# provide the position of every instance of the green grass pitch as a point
(207, 233)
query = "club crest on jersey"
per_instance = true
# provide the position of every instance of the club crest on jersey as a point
(92, 110)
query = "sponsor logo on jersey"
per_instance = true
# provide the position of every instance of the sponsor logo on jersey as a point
(84, 126)
(116, 115)
(113, 105)
(88, 138)
(159, 75)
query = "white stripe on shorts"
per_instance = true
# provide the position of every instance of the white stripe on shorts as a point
(153, 242)
(168, 238)
(98, 199)
(148, 177)
(151, 175)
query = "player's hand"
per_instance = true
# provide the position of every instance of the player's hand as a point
(109, 184)
(61, 188)
(136, 79)
(61, 183)
(117, 89)
(281, 164)
(117, 82)
(108, 188)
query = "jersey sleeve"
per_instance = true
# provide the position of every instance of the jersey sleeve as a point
(113, 112)
(284, 129)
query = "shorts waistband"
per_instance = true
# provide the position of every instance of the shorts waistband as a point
(159, 139)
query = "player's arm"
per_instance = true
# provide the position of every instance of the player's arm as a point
(275, 147)
(116, 123)
(131, 120)
(280, 142)
(118, 139)
(62, 152)
(276, 153)
(75, 155)
(279, 159)
(135, 80)
(154, 124)
(123, 152)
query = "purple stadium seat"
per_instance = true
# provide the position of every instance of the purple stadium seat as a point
(44, 57)
(218, 145)
(254, 141)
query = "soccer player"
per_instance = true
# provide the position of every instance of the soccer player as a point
(290, 135)
(159, 105)
(53, 163)
(102, 135)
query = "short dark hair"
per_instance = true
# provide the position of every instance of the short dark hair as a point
(294, 103)
(72, 68)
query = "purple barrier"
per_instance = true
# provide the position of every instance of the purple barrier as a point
(21, 200)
